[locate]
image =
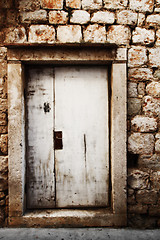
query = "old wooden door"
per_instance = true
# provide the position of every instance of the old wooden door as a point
(67, 137)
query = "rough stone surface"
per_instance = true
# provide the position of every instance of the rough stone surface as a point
(143, 36)
(3, 119)
(147, 196)
(143, 124)
(138, 180)
(3, 164)
(132, 89)
(157, 74)
(153, 89)
(157, 146)
(134, 106)
(91, 4)
(80, 16)
(52, 4)
(153, 20)
(142, 5)
(41, 34)
(118, 34)
(149, 162)
(154, 58)
(4, 144)
(36, 16)
(68, 34)
(15, 35)
(151, 106)
(27, 5)
(6, 3)
(73, 4)
(127, 17)
(158, 37)
(103, 17)
(141, 88)
(140, 74)
(141, 143)
(138, 209)
(95, 34)
(141, 19)
(58, 17)
(137, 56)
(115, 4)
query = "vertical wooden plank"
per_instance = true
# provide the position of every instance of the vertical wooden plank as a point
(81, 113)
(40, 159)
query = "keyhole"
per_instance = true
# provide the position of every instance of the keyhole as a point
(46, 107)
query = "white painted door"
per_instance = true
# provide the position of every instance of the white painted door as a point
(79, 176)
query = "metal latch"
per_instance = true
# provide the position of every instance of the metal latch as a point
(58, 144)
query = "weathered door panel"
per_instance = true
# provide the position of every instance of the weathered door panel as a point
(40, 150)
(81, 113)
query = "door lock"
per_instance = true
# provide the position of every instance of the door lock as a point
(58, 143)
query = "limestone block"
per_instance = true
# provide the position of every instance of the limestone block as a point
(28, 5)
(103, 17)
(154, 210)
(12, 16)
(118, 34)
(127, 17)
(115, 4)
(158, 37)
(6, 3)
(141, 143)
(52, 4)
(141, 19)
(2, 17)
(140, 74)
(143, 36)
(142, 5)
(137, 56)
(149, 162)
(138, 179)
(3, 119)
(155, 180)
(134, 106)
(36, 16)
(73, 4)
(91, 4)
(3, 129)
(3, 164)
(58, 17)
(2, 195)
(69, 34)
(147, 196)
(157, 146)
(141, 88)
(80, 17)
(132, 89)
(3, 53)
(15, 35)
(153, 89)
(151, 106)
(143, 124)
(4, 144)
(95, 34)
(138, 209)
(153, 20)
(154, 58)
(41, 34)
(157, 74)
(157, 10)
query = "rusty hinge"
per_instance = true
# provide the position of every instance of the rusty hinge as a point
(58, 144)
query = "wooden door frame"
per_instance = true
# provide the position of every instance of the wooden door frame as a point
(116, 214)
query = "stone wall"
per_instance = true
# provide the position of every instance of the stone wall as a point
(134, 24)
